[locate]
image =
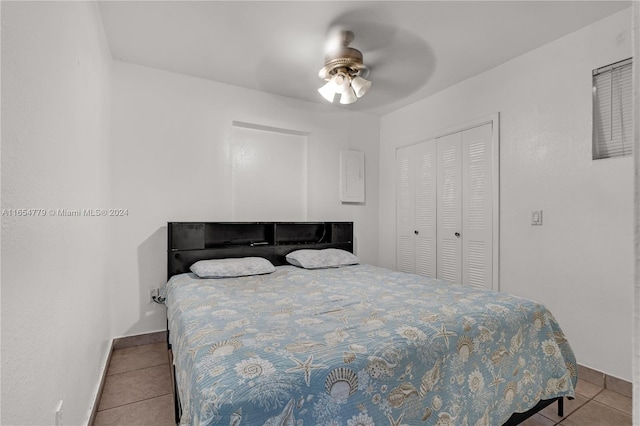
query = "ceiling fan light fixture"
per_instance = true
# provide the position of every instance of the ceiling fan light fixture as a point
(341, 81)
(348, 97)
(343, 67)
(360, 86)
(328, 91)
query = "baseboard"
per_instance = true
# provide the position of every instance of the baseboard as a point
(606, 381)
(103, 378)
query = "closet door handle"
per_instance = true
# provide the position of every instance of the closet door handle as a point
(457, 234)
(416, 232)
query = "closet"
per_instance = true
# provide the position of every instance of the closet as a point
(447, 206)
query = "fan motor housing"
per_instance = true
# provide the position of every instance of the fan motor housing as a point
(344, 58)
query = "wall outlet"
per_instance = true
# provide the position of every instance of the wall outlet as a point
(59, 414)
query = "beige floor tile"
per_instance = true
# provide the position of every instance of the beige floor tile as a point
(615, 400)
(538, 420)
(594, 413)
(587, 389)
(134, 386)
(156, 411)
(138, 357)
(551, 412)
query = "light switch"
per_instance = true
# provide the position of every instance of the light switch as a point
(536, 217)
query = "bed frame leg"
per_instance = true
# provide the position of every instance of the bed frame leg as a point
(176, 401)
(561, 406)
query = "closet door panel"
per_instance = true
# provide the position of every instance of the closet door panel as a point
(477, 214)
(405, 210)
(448, 207)
(425, 211)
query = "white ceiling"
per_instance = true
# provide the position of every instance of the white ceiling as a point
(413, 49)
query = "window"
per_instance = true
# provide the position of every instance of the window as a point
(612, 115)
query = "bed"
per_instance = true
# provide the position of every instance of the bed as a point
(349, 345)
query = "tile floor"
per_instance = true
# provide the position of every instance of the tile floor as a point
(138, 388)
(138, 391)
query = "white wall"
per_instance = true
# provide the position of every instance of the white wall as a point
(172, 136)
(55, 155)
(580, 262)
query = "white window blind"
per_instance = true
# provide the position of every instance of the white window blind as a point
(612, 115)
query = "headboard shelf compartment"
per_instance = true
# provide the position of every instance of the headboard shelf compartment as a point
(289, 233)
(189, 242)
(229, 234)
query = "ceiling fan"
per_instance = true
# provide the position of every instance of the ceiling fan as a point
(344, 70)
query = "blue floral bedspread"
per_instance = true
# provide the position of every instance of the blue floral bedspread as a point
(359, 346)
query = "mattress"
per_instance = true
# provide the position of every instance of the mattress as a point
(359, 345)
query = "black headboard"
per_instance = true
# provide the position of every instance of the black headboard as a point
(192, 241)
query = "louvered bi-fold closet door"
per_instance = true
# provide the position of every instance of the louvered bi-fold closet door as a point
(449, 208)
(416, 209)
(477, 207)
(405, 210)
(465, 200)
(426, 218)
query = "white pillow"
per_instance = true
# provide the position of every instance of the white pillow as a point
(232, 267)
(325, 258)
